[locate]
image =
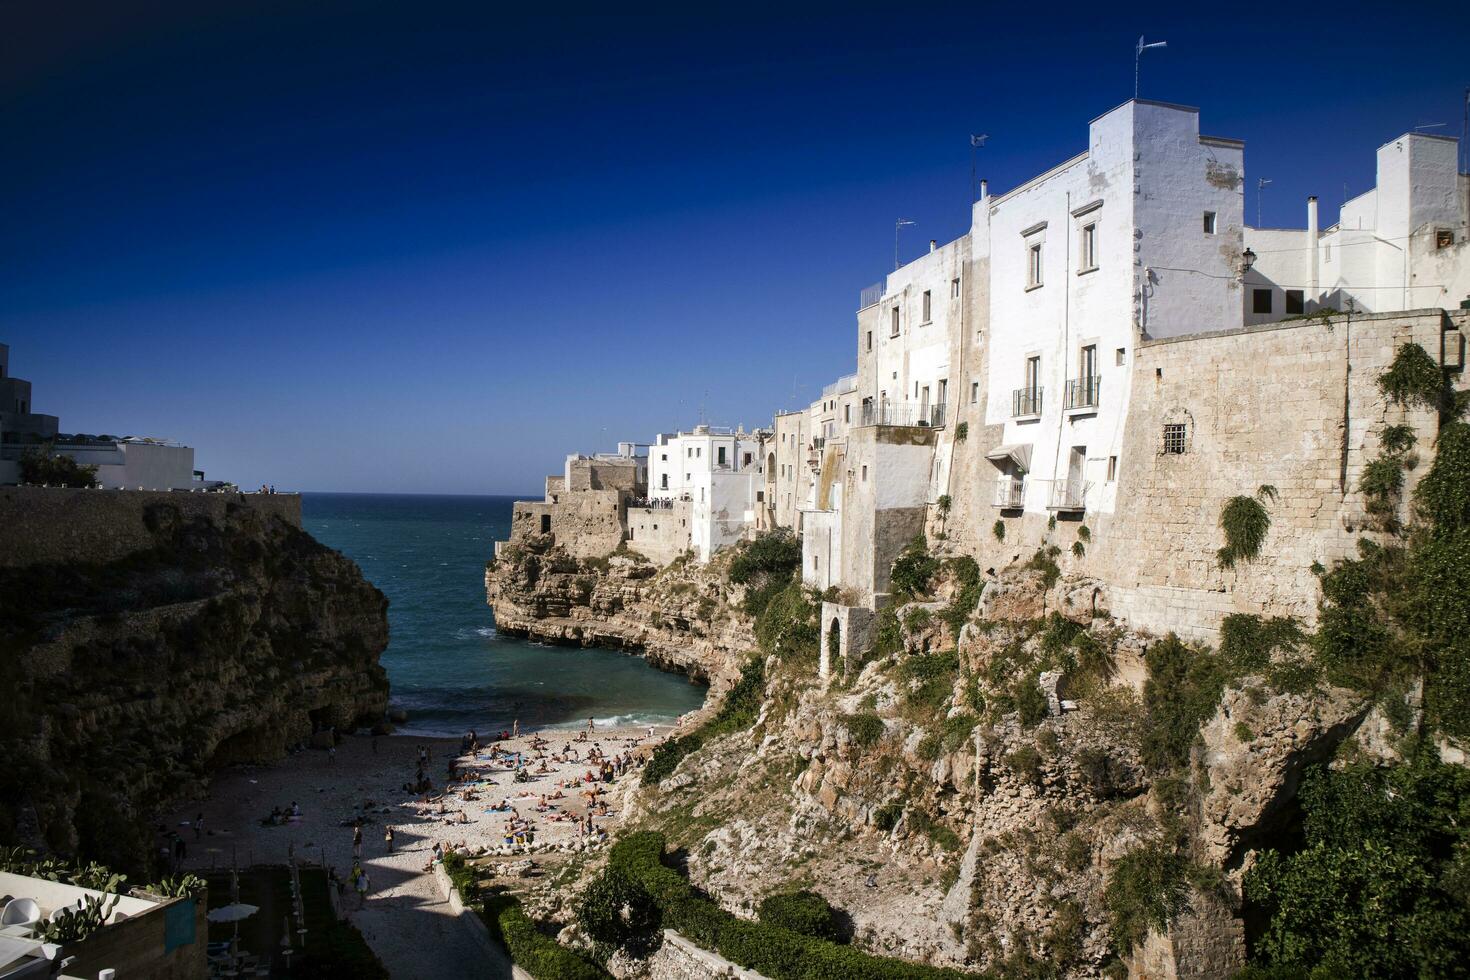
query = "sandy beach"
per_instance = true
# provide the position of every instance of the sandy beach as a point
(404, 918)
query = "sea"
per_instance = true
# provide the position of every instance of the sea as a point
(447, 667)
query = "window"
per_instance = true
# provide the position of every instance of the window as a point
(663, 457)
(1033, 266)
(1174, 438)
(760, 496)
(1112, 468)
(1443, 238)
(1033, 372)
(928, 306)
(1089, 247)
(893, 328)
(954, 289)
(721, 457)
(1261, 301)
(664, 483)
(870, 340)
(746, 460)
(1118, 356)
(1087, 362)
(1209, 222)
(1295, 301)
(865, 472)
(847, 413)
(974, 392)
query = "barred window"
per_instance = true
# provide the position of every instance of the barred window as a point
(1174, 437)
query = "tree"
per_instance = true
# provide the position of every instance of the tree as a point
(41, 465)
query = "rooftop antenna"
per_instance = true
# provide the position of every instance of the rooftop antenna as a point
(1138, 56)
(1423, 126)
(1261, 183)
(900, 223)
(976, 143)
(1465, 131)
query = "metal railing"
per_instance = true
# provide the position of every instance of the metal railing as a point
(1010, 492)
(1067, 495)
(657, 503)
(870, 295)
(840, 386)
(1026, 401)
(914, 414)
(1082, 392)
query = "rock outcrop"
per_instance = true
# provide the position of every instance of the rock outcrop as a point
(682, 618)
(222, 633)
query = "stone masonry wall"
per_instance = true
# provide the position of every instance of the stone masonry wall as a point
(58, 525)
(1270, 405)
(660, 534)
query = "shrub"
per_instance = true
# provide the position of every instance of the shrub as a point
(962, 432)
(1245, 523)
(1378, 890)
(804, 912)
(865, 728)
(913, 570)
(40, 465)
(885, 818)
(788, 623)
(1044, 561)
(1147, 888)
(1025, 762)
(1181, 693)
(967, 575)
(1415, 378)
(776, 555)
(998, 529)
(776, 952)
(616, 910)
(888, 631)
(944, 503)
(537, 953)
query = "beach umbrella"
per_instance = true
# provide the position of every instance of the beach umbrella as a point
(233, 912)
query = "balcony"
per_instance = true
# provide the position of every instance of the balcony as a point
(1082, 394)
(914, 414)
(1026, 402)
(1067, 495)
(1010, 492)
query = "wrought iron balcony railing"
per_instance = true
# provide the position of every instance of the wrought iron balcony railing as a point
(1082, 393)
(1067, 495)
(1010, 492)
(1025, 401)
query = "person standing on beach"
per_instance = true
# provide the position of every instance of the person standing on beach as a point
(388, 838)
(357, 840)
(198, 826)
(515, 728)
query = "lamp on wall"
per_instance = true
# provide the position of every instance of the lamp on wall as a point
(1247, 259)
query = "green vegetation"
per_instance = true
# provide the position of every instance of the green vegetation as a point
(775, 951)
(41, 465)
(616, 911)
(962, 432)
(914, 569)
(865, 728)
(1146, 888)
(1245, 522)
(998, 529)
(1416, 380)
(967, 576)
(803, 912)
(787, 625)
(737, 712)
(767, 566)
(1044, 561)
(1381, 887)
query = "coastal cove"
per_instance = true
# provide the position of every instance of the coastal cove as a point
(446, 665)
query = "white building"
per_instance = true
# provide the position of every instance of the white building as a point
(719, 472)
(1139, 236)
(1398, 246)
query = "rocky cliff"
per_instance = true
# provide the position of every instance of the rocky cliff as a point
(201, 630)
(683, 617)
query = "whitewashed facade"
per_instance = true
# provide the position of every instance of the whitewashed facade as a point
(720, 472)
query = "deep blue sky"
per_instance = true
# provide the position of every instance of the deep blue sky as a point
(433, 247)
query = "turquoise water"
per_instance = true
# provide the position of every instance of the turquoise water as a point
(448, 668)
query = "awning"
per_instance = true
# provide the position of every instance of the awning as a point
(1018, 453)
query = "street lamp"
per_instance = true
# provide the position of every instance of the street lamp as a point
(1247, 259)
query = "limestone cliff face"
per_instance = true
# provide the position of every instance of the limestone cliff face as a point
(221, 633)
(683, 617)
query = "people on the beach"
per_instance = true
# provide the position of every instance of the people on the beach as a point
(388, 838)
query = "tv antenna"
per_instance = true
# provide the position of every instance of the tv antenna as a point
(900, 223)
(977, 142)
(1138, 57)
(1261, 183)
(1423, 126)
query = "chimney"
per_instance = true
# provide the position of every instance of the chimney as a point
(984, 189)
(932, 245)
(1315, 275)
